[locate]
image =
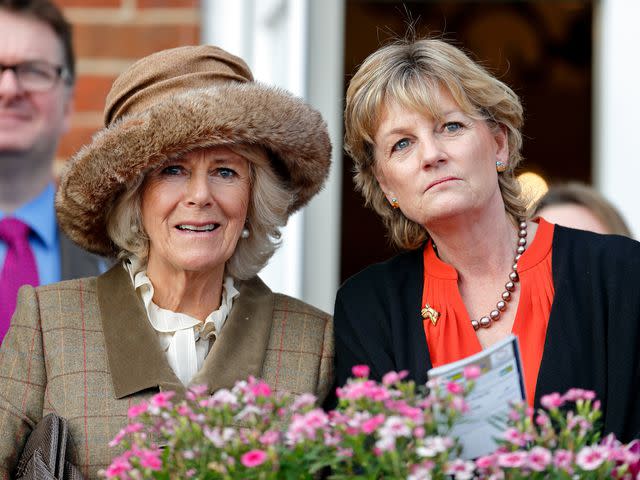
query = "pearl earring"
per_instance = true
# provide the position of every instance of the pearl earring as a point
(245, 233)
(394, 203)
(500, 166)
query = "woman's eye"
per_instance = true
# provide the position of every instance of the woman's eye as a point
(172, 170)
(226, 173)
(401, 145)
(452, 127)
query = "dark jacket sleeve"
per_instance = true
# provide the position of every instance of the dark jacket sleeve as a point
(593, 336)
(377, 321)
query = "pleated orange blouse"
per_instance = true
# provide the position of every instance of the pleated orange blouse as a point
(453, 337)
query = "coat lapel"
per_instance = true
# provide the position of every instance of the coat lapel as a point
(135, 358)
(240, 349)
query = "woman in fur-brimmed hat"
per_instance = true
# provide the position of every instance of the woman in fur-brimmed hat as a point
(187, 186)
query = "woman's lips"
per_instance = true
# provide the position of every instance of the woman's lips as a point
(441, 180)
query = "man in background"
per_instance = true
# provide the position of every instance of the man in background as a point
(37, 75)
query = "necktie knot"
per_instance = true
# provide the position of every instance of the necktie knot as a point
(14, 232)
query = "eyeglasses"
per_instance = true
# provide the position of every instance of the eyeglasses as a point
(37, 76)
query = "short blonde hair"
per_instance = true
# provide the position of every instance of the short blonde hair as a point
(410, 73)
(267, 213)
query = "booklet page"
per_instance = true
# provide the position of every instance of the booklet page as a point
(499, 384)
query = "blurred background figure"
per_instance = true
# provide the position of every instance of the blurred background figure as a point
(37, 76)
(580, 206)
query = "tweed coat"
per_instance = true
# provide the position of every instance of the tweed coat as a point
(85, 350)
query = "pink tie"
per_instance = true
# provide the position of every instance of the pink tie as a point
(19, 268)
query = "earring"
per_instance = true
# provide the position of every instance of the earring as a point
(245, 233)
(394, 203)
(500, 166)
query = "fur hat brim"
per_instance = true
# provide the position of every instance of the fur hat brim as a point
(293, 133)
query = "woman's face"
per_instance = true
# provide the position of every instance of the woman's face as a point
(194, 210)
(438, 169)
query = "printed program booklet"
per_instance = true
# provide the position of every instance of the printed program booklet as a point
(500, 383)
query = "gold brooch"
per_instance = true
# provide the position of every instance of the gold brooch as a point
(430, 313)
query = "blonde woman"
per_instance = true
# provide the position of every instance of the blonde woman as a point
(435, 140)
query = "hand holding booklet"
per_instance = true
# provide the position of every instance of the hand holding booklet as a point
(499, 384)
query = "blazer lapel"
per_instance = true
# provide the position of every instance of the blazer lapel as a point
(135, 358)
(240, 349)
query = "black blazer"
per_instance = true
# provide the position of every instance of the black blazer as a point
(593, 336)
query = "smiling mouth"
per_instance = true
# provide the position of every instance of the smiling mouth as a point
(210, 227)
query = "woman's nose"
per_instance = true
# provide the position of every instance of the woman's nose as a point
(431, 151)
(199, 190)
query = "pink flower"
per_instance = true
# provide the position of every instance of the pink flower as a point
(395, 427)
(471, 372)
(150, 459)
(253, 458)
(460, 404)
(460, 469)
(270, 437)
(542, 420)
(486, 462)
(197, 391)
(539, 459)
(260, 389)
(513, 436)
(590, 458)
(391, 378)
(454, 388)
(303, 401)
(369, 426)
(118, 466)
(137, 410)
(161, 399)
(360, 371)
(551, 401)
(515, 459)
(562, 459)
(575, 394)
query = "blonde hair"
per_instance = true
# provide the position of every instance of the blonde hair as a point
(410, 73)
(267, 213)
(575, 193)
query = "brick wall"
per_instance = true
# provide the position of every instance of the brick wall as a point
(109, 35)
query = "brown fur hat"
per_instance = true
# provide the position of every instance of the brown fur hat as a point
(176, 101)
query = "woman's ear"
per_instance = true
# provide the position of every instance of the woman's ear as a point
(501, 139)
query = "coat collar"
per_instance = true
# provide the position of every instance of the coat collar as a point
(138, 363)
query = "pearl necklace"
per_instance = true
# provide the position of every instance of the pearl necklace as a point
(494, 315)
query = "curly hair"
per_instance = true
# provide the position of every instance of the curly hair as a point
(410, 73)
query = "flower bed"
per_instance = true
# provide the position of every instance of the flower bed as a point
(380, 430)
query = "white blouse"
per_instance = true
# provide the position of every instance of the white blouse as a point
(184, 339)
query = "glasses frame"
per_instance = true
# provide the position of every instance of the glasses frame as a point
(61, 73)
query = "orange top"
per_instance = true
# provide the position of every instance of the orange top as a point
(453, 337)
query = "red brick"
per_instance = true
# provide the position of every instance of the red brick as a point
(168, 3)
(91, 91)
(88, 3)
(131, 41)
(74, 139)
